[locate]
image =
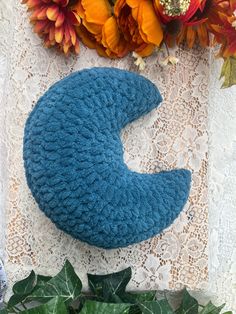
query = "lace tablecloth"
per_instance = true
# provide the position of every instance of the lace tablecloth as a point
(173, 136)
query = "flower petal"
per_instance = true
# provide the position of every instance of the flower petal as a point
(66, 34)
(194, 5)
(133, 3)
(59, 32)
(53, 12)
(73, 18)
(60, 19)
(190, 37)
(63, 3)
(72, 35)
(52, 33)
(78, 8)
(40, 26)
(66, 47)
(96, 12)
(77, 47)
(34, 15)
(203, 35)
(42, 14)
(232, 5)
(92, 28)
(32, 3)
(145, 50)
(77, 19)
(119, 4)
(111, 38)
(149, 23)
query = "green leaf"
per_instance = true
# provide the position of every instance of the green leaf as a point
(93, 307)
(134, 309)
(139, 297)
(54, 306)
(228, 72)
(15, 299)
(26, 285)
(41, 281)
(18, 298)
(65, 284)
(136, 298)
(111, 287)
(156, 307)
(211, 309)
(4, 311)
(228, 312)
(189, 305)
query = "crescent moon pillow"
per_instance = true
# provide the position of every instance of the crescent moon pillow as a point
(73, 158)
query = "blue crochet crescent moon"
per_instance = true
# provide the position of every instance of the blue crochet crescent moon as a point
(73, 158)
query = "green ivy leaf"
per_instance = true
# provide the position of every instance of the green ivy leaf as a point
(111, 287)
(212, 309)
(228, 72)
(93, 307)
(22, 289)
(25, 286)
(15, 299)
(54, 306)
(156, 307)
(139, 297)
(18, 287)
(41, 281)
(65, 284)
(136, 298)
(189, 305)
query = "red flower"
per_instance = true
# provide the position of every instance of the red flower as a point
(176, 16)
(199, 27)
(182, 11)
(55, 21)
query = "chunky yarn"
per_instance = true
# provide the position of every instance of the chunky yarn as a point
(73, 158)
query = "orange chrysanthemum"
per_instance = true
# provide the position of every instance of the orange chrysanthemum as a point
(99, 29)
(140, 25)
(55, 21)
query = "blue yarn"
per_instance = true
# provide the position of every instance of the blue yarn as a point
(73, 158)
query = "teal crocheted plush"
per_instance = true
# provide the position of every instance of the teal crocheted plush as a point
(73, 158)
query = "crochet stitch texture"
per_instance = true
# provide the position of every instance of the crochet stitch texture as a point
(73, 158)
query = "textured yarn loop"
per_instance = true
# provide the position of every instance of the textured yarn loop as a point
(73, 158)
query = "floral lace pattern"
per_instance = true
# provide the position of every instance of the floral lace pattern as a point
(172, 136)
(222, 196)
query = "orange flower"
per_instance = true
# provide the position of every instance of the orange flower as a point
(55, 21)
(99, 29)
(140, 25)
(225, 34)
(199, 28)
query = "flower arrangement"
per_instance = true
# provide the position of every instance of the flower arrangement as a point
(62, 294)
(117, 27)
